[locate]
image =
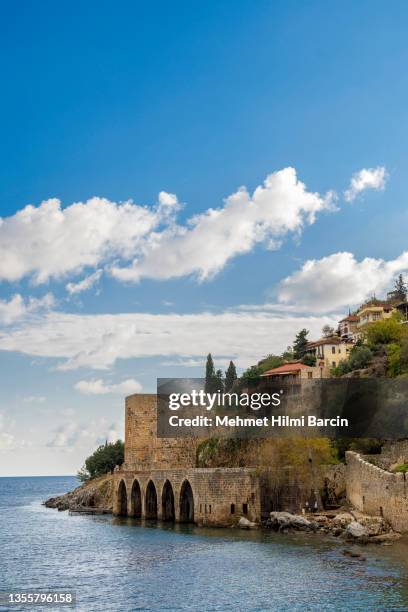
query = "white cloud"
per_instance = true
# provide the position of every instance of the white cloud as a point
(98, 341)
(85, 284)
(280, 206)
(339, 280)
(99, 387)
(71, 435)
(133, 241)
(17, 307)
(367, 178)
(51, 242)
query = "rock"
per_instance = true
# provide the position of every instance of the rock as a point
(374, 525)
(353, 555)
(243, 523)
(356, 530)
(386, 538)
(96, 493)
(343, 519)
(286, 520)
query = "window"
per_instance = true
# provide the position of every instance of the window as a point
(245, 508)
(232, 508)
(310, 374)
(201, 508)
(333, 350)
(209, 511)
(333, 364)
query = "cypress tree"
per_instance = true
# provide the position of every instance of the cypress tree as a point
(230, 376)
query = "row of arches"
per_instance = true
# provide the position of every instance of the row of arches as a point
(151, 507)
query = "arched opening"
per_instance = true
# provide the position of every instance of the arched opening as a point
(151, 501)
(122, 499)
(168, 513)
(136, 500)
(186, 503)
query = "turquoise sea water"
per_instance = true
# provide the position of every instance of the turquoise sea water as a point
(120, 565)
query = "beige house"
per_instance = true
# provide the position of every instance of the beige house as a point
(372, 313)
(329, 351)
(348, 327)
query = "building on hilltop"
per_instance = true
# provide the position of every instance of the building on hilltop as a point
(328, 351)
(348, 327)
(293, 372)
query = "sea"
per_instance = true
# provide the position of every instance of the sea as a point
(126, 565)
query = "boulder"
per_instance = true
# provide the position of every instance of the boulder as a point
(286, 520)
(356, 530)
(243, 523)
(343, 519)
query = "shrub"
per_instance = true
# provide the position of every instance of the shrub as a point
(360, 357)
(394, 359)
(387, 331)
(103, 460)
(403, 467)
(309, 360)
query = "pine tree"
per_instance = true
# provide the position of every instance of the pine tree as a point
(400, 288)
(209, 375)
(230, 376)
(300, 343)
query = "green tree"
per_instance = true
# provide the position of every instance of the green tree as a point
(210, 378)
(251, 376)
(400, 291)
(230, 376)
(386, 331)
(270, 362)
(394, 360)
(300, 343)
(103, 460)
(309, 359)
(360, 357)
(219, 381)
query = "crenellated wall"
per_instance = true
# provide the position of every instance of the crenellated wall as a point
(375, 491)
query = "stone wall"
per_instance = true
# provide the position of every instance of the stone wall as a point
(375, 491)
(221, 495)
(143, 449)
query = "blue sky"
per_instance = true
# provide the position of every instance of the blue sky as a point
(191, 101)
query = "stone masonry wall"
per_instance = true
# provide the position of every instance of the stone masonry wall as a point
(375, 491)
(221, 495)
(143, 449)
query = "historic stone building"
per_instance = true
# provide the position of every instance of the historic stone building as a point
(159, 480)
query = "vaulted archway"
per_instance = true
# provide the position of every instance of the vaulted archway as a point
(151, 501)
(136, 500)
(122, 499)
(186, 503)
(168, 513)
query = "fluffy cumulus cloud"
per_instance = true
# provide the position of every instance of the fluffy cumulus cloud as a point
(339, 280)
(98, 341)
(18, 307)
(367, 178)
(133, 241)
(280, 206)
(49, 241)
(99, 387)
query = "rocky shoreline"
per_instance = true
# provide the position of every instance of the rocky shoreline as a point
(347, 524)
(92, 497)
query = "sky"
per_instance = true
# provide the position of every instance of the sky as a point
(183, 178)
